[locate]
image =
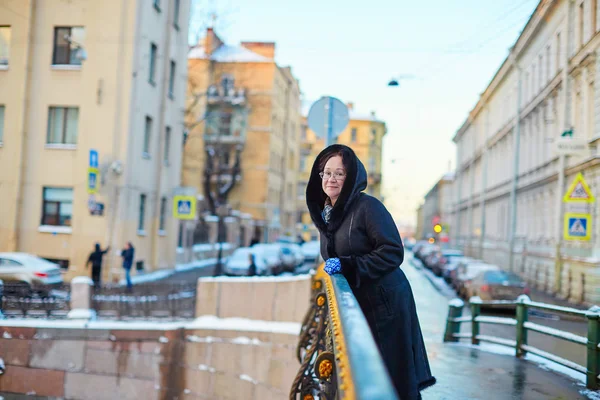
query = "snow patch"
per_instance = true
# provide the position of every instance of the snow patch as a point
(83, 279)
(248, 379)
(150, 277)
(196, 265)
(163, 339)
(291, 278)
(187, 391)
(243, 324)
(6, 335)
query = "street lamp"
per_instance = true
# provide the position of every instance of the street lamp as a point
(395, 81)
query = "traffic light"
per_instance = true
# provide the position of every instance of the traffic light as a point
(437, 228)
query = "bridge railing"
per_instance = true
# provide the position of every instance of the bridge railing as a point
(338, 355)
(523, 304)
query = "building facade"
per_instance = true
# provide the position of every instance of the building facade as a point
(364, 134)
(77, 76)
(266, 189)
(437, 209)
(510, 178)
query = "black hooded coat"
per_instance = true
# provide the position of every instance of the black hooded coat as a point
(363, 235)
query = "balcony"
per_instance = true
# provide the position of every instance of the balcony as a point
(226, 95)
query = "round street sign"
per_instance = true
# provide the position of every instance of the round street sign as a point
(328, 111)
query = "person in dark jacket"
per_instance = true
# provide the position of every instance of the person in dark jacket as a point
(128, 254)
(95, 259)
(359, 239)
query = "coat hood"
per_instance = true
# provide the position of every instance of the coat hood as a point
(355, 183)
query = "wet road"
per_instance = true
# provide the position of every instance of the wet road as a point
(464, 372)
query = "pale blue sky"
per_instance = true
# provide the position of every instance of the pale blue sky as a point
(351, 49)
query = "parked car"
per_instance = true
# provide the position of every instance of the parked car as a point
(408, 243)
(497, 285)
(238, 263)
(449, 272)
(271, 253)
(311, 251)
(443, 258)
(425, 252)
(34, 273)
(293, 256)
(418, 246)
(470, 271)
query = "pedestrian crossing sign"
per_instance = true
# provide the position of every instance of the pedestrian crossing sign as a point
(579, 191)
(184, 207)
(578, 227)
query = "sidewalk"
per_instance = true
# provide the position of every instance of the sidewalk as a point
(159, 275)
(486, 371)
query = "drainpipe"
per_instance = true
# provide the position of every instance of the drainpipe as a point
(515, 180)
(484, 182)
(562, 159)
(14, 243)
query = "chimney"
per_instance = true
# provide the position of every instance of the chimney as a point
(265, 49)
(211, 41)
(350, 105)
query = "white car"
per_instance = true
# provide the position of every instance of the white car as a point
(311, 251)
(292, 256)
(271, 253)
(238, 263)
(38, 274)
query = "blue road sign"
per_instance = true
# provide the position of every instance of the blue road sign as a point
(327, 118)
(93, 159)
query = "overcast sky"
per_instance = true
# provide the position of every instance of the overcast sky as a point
(350, 50)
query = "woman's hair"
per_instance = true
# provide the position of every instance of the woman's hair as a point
(327, 156)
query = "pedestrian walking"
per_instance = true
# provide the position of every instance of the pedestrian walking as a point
(359, 239)
(128, 254)
(95, 259)
(252, 267)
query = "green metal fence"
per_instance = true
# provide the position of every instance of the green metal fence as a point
(522, 325)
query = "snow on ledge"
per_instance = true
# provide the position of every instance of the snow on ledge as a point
(257, 279)
(83, 279)
(204, 322)
(243, 324)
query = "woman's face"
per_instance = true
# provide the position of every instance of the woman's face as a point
(333, 179)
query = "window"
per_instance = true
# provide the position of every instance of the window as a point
(353, 135)
(176, 14)
(1, 123)
(152, 75)
(57, 207)
(163, 212)
(62, 125)
(142, 212)
(157, 5)
(303, 132)
(594, 13)
(4, 46)
(172, 79)
(548, 72)
(373, 136)
(167, 145)
(302, 162)
(225, 125)
(68, 42)
(147, 136)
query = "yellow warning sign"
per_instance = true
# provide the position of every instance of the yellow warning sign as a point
(579, 192)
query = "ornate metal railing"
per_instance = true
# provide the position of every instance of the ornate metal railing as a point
(20, 300)
(523, 304)
(338, 356)
(172, 300)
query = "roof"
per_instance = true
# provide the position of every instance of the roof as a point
(227, 53)
(354, 114)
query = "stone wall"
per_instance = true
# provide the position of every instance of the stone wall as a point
(259, 298)
(209, 358)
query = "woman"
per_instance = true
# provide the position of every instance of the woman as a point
(359, 239)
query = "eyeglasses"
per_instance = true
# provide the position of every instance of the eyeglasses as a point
(339, 176)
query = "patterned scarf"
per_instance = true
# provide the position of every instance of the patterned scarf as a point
(326, 214)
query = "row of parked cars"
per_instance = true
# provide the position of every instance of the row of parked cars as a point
(272, 258)
(470, 276)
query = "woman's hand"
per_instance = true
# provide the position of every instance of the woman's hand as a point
(333, 266)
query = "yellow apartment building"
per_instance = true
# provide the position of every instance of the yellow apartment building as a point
(96, 84)
(364, 134)
(247, 76)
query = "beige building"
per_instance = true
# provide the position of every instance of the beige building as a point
(364, 134)
(510, 178)
(80, 75)
(269, 139)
